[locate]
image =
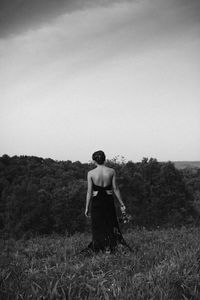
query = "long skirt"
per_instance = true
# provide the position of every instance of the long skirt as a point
(106, 233)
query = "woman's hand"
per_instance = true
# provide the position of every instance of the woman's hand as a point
(87, 212)
(123, 208)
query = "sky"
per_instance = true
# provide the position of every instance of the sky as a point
(84, 75)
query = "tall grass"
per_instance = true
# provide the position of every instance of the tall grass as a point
(165, 265)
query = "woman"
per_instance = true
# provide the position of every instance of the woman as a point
(101, 185)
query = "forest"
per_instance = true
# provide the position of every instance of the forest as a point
(43, 196)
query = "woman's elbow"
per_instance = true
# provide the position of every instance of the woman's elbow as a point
(89, 193)
(115, 189)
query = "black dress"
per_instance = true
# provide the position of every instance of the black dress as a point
(106, 233)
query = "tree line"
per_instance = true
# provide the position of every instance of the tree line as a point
(41, 196)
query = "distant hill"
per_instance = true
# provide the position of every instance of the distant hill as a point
(186, 164)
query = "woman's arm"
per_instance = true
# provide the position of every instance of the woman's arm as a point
(117, 191)
(89, 194)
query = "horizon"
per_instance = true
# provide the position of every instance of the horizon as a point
(79, 76)
(118, 158)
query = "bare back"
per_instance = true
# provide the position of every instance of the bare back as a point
(102, 176)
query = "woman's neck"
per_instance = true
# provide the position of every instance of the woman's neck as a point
(100, 166)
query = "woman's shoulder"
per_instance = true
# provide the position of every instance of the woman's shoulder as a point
(110, 170)
(90, 172)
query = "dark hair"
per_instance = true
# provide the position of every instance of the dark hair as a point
(99, 157)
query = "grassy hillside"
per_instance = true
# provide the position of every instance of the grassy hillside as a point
(164, 265)
(186, 164)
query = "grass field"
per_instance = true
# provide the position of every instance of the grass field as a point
(164, 265)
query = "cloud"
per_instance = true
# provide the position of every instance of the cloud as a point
(18, 16)
(87, 37)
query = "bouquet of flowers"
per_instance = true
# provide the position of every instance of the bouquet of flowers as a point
(126, 218)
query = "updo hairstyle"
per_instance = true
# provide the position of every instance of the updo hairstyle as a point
(99, 157)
